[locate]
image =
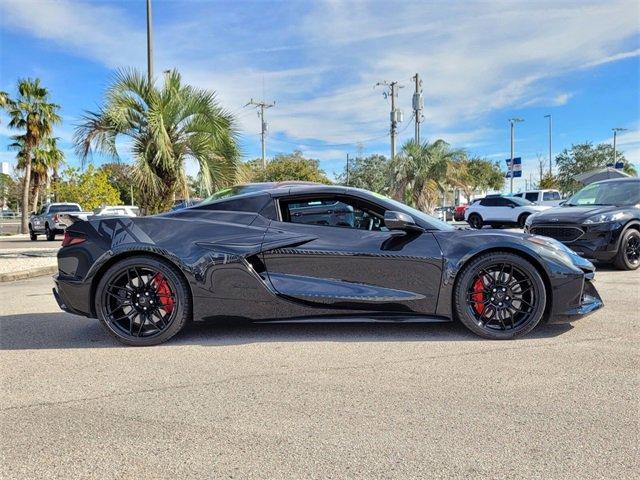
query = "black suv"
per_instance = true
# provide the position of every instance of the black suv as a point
(600, 222)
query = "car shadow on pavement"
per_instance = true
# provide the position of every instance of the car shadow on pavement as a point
(62, 330)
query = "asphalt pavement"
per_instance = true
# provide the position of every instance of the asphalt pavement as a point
(319, 401)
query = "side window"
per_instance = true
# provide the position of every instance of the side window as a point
(488, 202)
(502, 202)
(551, 196)
(532, 196)
(331, 212)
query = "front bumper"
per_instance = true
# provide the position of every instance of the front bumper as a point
(595, 242)
(589, 302)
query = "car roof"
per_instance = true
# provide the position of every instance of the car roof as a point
(613, 180)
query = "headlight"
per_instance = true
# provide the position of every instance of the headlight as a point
(604, 218)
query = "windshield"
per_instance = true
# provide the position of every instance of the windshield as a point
(233, 191)
(519, 201)
(607, 193)
(439, 224)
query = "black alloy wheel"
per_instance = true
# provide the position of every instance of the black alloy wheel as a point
(628, 256)
(475, 221)
(143, 301)
(500, 296)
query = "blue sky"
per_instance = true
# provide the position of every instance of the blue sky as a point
(481, 63)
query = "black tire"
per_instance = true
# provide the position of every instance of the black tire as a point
(475, 221)
(522, 219)
(476, 304)
(153, 329)
(32, 236)
(50, 234)
(628, 256)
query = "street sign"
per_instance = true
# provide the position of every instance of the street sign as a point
(517, 167)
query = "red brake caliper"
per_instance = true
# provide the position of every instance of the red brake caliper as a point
(478, 296)
(163, 291)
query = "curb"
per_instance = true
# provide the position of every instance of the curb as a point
(26, 274)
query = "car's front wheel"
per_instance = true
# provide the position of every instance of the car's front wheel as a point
(50, 234)
(628, 256)
(143, 301)
(500, 296)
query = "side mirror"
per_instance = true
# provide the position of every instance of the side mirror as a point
(33, 213)
(400, 221)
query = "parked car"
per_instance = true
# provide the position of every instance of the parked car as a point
(8, 213)
(117, 210)
(497, 211)
(550, 198)
(49, 219)
(444, 213)
(251, 256)
(600, 222)
(458, 212)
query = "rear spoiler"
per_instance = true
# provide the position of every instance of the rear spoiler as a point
(70, 218)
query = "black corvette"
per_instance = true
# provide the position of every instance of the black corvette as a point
(313, 253)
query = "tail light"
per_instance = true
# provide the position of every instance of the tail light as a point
(72, 238)
(56, 218)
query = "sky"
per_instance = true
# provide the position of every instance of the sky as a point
(481, 64)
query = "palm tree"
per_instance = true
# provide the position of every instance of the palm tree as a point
(33, 112)
(165, 127)
(46, 160)
(422, 172)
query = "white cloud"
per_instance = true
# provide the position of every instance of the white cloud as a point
(475, 58)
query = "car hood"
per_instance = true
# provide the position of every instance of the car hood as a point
(571, 214)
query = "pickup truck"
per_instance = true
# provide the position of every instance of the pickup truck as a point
(50, 221)
(548, 198)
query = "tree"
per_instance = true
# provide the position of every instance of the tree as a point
(166, 126)
(287, 167)
(584, 157)
(481, 174)
(420, 174)
(90, 188)
(46, 160)
(548, 181)
(369, 172)
(120, 175)
(33, 113)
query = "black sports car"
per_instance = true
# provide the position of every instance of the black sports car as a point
(600, 222)
(313, 253)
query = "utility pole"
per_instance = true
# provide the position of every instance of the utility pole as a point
(418, 104)
(396, 114)
(512, 121)
(550, 130)
(149, 44)
(263, 130)
(615, 134)
(347, 169)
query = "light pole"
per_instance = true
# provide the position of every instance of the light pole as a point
(615, 135)
(513, 122)
(149, 44)
(550, 129)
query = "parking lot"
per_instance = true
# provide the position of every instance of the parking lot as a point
(320, 401)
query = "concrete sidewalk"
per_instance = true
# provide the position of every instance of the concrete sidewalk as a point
(22, 259)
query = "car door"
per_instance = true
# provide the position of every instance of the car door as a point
(504, 211)
(337, 253)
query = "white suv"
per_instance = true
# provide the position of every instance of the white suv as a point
(497, 211)
(550, 198)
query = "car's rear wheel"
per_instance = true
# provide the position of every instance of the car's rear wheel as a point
(628, 256)
(49, 234)
(522, 219)
(143, 301)
(475, 221)
(500, 296)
